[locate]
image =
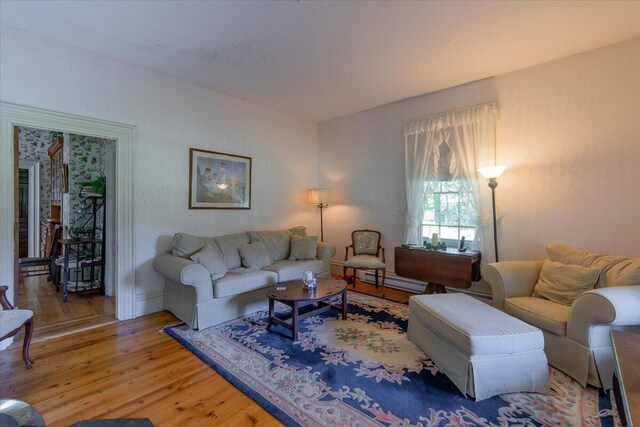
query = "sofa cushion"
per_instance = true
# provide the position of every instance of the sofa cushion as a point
(234, 284)
(185, 245)
(254, 255)
(300, 230)
(303, 248)
(568, 255)
(292, 270)
(563, 283)
(540, 312)
(210, 257)
(275, 241)
(620, 272)
(229, 246)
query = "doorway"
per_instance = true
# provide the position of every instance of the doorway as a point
(75, 291)
(13, 116)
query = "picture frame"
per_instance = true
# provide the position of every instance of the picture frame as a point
(219, 180)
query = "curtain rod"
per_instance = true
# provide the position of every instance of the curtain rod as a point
(457, 110)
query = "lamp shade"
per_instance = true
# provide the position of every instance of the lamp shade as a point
(492, 171)
(319, 196)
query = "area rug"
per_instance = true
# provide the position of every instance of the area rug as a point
(364, 372)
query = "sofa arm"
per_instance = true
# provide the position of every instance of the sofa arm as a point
(326, 251)
(602, 307)
(187, 272)
(511, 279)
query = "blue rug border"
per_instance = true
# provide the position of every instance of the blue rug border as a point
(234, 380)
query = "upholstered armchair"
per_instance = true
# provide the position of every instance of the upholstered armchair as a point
(577, 336)
(12, 320)
(368, 254)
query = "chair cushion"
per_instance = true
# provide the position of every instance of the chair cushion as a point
(10, 320)
(229, 246)
(254, 255)
(210, 257)
(621, 272)
(234, 284)
(563, 283)
(540, 312)
(474, 327)
(568, 255)
(292, 270)
(275, 241)
(364, 261)
(303, 248)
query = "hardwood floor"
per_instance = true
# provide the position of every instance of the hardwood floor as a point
(52, 317)
(128, 369)
(388, 293)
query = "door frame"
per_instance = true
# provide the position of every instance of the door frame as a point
(13, 115)
(33, 166)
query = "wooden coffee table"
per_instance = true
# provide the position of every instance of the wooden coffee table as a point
(296, 296)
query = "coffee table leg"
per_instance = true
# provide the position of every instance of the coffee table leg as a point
(294, 321)
(344, 305)
(271, 304)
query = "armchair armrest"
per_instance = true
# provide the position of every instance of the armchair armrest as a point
(511, 279)
(187, 272)
(618, 305)
(326, 251)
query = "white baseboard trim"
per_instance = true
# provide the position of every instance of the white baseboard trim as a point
(479, 289)
(149, 302)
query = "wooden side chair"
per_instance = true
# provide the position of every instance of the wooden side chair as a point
(368, 254)
(48, 262)
(12, 320)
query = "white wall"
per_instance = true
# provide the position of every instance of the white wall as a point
(569, 130)
(170, 116)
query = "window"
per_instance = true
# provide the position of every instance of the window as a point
(448, 211)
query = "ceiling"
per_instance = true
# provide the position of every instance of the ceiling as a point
(322, 60)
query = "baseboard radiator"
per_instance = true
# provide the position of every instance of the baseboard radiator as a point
(478, 289)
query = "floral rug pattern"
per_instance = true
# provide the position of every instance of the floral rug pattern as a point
(364, 372)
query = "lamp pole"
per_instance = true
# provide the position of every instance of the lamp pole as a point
(321, 206)
(493, 183)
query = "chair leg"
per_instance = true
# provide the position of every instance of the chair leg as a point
(27, 341)
(384, 276)
(377, 279)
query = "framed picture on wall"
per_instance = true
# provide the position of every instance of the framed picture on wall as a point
(219, 180)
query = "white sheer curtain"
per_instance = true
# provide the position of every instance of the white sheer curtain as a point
(470, 136)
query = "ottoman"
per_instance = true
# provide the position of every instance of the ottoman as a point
(482, 350)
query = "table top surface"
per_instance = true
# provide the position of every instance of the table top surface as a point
(626, 348)
(448, 251)
(294, 290)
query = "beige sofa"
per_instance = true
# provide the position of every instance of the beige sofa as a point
(577, 337)
(193, 296)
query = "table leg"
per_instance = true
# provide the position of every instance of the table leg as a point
(271, 304)
(344, 305)
(294, 321)
(434, 288)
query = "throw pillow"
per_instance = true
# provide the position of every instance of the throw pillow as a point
(303, 248)
(254, 255)
(563, 283)
(211, 258)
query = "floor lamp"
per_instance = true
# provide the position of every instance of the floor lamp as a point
(321, 197)
(492, 173)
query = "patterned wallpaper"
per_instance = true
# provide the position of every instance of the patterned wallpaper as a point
(33, 145)
(86, 156)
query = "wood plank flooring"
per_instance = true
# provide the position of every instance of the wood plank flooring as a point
(52, 317)
(128, 369)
